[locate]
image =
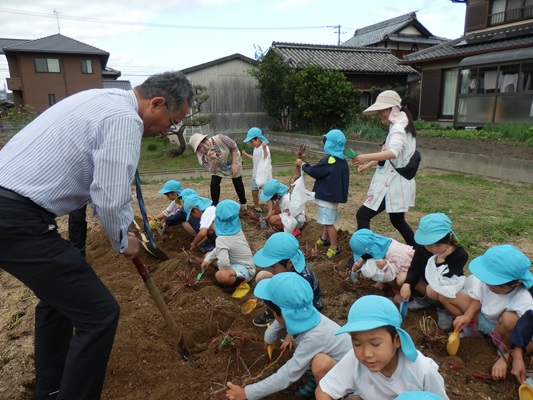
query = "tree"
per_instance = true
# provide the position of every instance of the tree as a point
(325, 98)
(195, 119)
(275, 82)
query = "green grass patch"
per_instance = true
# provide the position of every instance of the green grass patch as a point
(483, 212)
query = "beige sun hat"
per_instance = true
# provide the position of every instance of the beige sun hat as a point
(195, 140)
(386, 99)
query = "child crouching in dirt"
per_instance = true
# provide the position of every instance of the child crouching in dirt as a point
(437, 270)
(282, 253)
(381, 259)
(332, 178)
(278, 199)
(499, 288)
(384, 362)
(171, 189)
(291, 299)
(232, 255)
(201, 208)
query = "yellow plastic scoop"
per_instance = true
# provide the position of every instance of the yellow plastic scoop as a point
(270, 351)
(249, 306)
(453, 344)
(525, 392)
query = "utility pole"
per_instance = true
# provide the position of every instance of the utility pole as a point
(338, 32)
(57, 17)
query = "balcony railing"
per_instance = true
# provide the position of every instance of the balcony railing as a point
(518, 14)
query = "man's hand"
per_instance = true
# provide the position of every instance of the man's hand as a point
(133, 246)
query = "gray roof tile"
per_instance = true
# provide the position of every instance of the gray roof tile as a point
(341, 58)
(476, 43)
(376, 33)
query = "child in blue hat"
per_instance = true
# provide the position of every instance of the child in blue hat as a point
(171, 189)
(291, 299)
(381, 258)
(332, 178)
(262, 166)
(231, 256)
(282, 253)
(203, 209)
(499, 294)
(191, 226)
(437, 270)
(384, 362)
(278, 199)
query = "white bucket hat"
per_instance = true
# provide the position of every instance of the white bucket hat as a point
(195, 140)
(386, 99)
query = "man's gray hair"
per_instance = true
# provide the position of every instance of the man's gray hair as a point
(172, 85)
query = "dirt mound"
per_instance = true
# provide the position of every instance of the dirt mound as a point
(145, 362)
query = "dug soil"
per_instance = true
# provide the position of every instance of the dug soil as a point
(146, 362)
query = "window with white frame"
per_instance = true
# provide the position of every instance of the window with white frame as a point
(47, 65)
(86, 67)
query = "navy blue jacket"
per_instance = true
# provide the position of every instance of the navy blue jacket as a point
(331, 180)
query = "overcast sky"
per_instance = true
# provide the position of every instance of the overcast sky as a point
(146, 37)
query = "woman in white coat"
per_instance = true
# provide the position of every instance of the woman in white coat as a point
(389, 191)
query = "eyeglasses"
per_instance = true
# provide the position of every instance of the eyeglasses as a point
(172, 122)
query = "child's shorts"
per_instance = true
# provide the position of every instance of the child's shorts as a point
(484, 325)
(241, 271)
(254, 186)
(327, 216)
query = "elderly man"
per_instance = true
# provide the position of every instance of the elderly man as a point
(84, 149)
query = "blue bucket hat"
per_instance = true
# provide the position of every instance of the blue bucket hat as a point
(335, 141)
(432, 228)
(227, 221)
(280, 246)
(193, 201)
(171, 186)
(294, 296)
(272, 187)
(364, 241)
(418, 396)
(186, 193)
(502, 264)
(253, 133)
(372, 312)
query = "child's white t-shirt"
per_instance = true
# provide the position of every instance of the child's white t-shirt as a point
(257, 155)
(493, 305)
(350, 375)
(171, 209)
(207, 218)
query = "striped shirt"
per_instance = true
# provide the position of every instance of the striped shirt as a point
(83, 149)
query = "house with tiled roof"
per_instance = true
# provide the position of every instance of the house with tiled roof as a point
(486, 75)
(401, 35)
(364, 68)
(46, 70)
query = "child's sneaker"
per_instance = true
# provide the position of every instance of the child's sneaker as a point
(333, 252)
(469, 331)
(323, 242)
(419, 303)
(444, 319)
(264, 319)
(241, 290)
(296, 232)
(206, 247)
